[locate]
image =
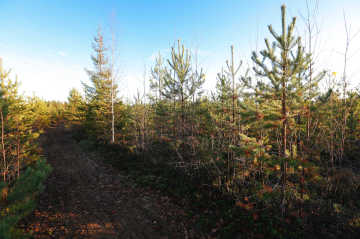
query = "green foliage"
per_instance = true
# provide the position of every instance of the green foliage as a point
(182, 84)
(73, 108)
(22, 119)
(157, 79)
(18, 198)
(265, 154)
(100, 102)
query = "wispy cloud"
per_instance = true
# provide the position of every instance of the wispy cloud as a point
(155, 55)
(34, 62)
(60, 53)
(10, 59)
(42, 54)
(77, 67)
(7, 47)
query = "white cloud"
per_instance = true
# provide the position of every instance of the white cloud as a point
(33, 62)
(63, 54)
(153, 56)
(77, 67)
(7, 47)
(10, 59)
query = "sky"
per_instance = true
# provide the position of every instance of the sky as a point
(47, 44)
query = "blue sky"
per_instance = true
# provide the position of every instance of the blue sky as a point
(47, 43)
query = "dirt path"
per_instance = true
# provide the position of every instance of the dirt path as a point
(86, 198)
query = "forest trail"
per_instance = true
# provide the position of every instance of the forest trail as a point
(86, 198)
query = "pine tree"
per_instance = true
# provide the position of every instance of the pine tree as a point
(75, 102)
(227, 101)
(18, 116)
(43, 111)
(156, 86)
(284, 70)
(18, 188)
(18, 198)
(101, 95)
(181, 86)
(157, 79)
(221, 99)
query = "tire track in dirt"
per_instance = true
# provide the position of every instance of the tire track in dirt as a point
(84, 199)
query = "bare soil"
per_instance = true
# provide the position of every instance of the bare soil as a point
(85, 197)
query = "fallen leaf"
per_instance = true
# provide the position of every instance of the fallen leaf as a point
(295, 213)
(255, 215)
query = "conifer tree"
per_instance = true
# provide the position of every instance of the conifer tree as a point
(157, 78)
(75, 102)
(281, 69)
(180, 86)
(229, 92)
(94, 120)
(157, 86)
(43, 112)
(18, 198)
(284, 69)
(101, 96)
(18, 117)
(18, 187)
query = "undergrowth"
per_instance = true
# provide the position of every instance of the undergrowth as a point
(219, 213)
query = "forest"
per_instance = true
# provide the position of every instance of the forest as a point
(271, 152)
